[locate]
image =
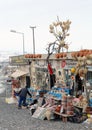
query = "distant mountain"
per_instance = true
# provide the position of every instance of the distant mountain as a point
(4, 55)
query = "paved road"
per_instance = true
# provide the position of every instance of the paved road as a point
(12, 118)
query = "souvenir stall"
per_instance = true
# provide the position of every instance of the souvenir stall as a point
(59, 102)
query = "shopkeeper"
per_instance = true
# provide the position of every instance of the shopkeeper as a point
(79, 84)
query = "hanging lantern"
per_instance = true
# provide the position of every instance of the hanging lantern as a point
(89, 62)
(73, 70)
(72, 77)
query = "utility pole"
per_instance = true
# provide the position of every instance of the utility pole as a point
(33, 27)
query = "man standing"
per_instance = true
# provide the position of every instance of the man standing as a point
(22, 97)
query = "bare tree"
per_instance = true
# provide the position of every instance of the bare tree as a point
(60, 30)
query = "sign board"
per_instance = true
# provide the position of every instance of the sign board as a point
(18, 60)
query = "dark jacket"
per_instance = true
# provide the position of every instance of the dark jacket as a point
(24, 92)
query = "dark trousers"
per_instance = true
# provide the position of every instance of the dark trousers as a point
(22, 101)
(71, 92)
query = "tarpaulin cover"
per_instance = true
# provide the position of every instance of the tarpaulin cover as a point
(18, 73)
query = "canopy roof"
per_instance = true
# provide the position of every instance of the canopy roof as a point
(19, 73)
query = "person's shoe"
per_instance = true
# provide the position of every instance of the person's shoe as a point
(27, 107)
(19, 107)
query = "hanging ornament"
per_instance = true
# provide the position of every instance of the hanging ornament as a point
(73, 70)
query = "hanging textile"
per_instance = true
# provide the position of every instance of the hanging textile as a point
(50, 69)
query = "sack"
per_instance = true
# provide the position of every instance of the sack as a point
(39, 113)
(49, 115)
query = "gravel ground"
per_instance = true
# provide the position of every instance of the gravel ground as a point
(12, 118)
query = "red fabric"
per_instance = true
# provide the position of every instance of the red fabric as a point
(63, 63)
(50, 69)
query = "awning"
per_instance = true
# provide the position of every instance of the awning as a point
(19, 73)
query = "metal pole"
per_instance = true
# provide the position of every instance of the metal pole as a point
(33, 38)
(23, 44)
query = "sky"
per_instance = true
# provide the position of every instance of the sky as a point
(19, 15)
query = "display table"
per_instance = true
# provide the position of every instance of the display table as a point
(64, 116)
